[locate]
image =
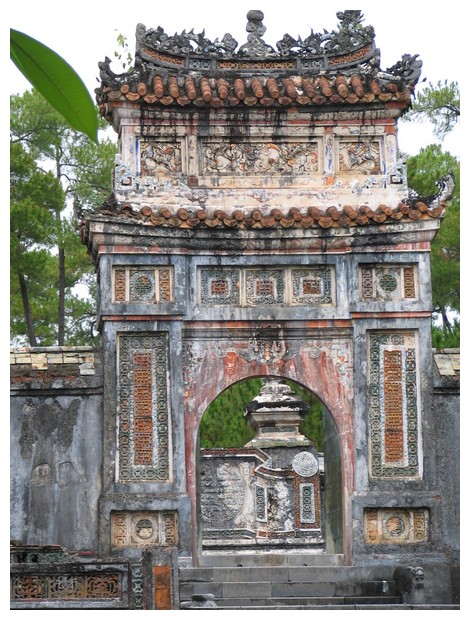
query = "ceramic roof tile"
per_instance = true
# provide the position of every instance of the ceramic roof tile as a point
(274, 218)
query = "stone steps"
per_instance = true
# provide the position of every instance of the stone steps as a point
(246, 559)
(294, 587)
(309, 602)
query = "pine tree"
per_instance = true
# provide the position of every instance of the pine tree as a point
(60, 296)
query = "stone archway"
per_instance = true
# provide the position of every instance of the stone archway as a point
(320, 360)
(267, 490)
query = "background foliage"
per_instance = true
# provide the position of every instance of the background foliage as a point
(223, 425)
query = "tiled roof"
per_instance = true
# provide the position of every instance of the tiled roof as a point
(217, 92)
(326, 68)
(275, 218)
(448, 362)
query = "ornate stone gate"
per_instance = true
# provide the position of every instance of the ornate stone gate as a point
(261, 225)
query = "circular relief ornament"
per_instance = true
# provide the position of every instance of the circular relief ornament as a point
(144, 529)
(305, 464)
(388, 283)
(395, 526)
(142, 286)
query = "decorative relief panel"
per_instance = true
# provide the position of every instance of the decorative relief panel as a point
(260, 158)
(245, 495)
(158, 158)
(143, 284)
(255, 287)
(144, 529)
(67, 587)
(393, 405)
(359, 157)
(307, 510)
(398, 526)
(137, 587)
(388, 282)
(143, 412)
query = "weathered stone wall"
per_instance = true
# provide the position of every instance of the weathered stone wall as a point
(56, 446)
(333, 489)
(446, 413)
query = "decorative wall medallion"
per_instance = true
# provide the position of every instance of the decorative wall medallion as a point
(393, 405)
(305, 464)
(396, 525)
(142, 285)
(143, 413)
(144, 529)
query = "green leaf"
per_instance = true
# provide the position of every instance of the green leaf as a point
(57, 82)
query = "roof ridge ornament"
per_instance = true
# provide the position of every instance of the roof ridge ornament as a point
(255, 46)
(347, 51)
(350, 36)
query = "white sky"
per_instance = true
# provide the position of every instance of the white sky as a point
(85, 32)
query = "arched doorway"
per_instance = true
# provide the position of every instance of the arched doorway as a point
(320, 363)
(261, 481)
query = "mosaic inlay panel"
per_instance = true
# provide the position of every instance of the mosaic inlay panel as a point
(255, 287)
(307, 513)
(399, 526)
(261, 500)
(159, 158)
(66, 587)
(143, 284)
(360, 157)
(388, 282)
(312, 286)
(220, 287)
(260, 158)
(265, 287)
(144, 529)
(307, 503)
(393, 405)
(143, 415)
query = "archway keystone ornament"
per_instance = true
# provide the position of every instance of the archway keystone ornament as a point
(261, 225)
